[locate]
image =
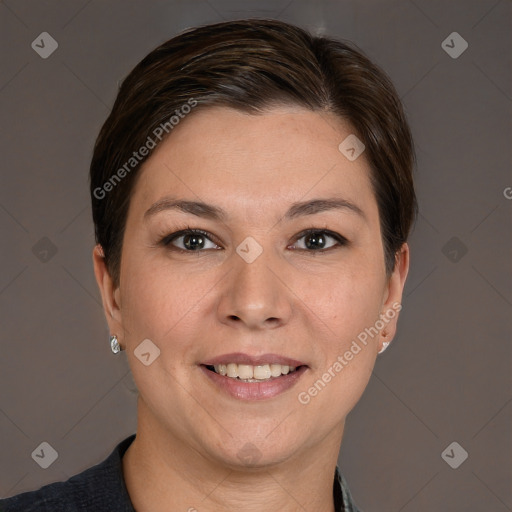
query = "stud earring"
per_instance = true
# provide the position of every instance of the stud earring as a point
(385, 345)
(114, 344)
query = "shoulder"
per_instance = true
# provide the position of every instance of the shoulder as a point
(58, 496)
(99, 488)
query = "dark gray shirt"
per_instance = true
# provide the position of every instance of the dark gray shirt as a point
(101, 488)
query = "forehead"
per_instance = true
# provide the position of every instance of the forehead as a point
(250, 163)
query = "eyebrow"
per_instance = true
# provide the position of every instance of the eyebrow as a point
(208, 211)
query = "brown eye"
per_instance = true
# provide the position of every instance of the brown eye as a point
(318, 240)
(192, 240)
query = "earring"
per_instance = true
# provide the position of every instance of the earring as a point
(385, 345)
(114, 344)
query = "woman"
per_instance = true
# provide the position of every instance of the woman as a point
(252, 197)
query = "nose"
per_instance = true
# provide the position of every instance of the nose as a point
(255, 294)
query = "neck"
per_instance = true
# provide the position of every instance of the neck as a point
(164, 473)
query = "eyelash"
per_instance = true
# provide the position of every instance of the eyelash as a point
(167, 239)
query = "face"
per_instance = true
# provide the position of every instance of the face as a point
(272, 275)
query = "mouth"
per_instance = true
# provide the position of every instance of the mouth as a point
(254, 381)
(250, 373)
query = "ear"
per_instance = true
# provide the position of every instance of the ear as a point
(109, 296)
(392, 303)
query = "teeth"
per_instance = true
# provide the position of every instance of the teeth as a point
(275, 370)
(253, 373)
(262, 372)
(232, 370)
(245, 371)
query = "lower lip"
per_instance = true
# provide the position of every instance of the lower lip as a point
(254, 390)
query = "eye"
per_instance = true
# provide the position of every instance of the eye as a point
(317, 239)
(193, 240)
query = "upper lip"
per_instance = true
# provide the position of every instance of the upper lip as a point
(240, 358)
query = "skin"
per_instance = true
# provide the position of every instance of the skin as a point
(291, 301)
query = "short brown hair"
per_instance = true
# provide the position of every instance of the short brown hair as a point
(252, 65)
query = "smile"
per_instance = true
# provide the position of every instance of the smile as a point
(250, 373)
(247, 382)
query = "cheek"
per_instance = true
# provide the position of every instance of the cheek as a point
(149, 301)
(162, 303)
(345, 353)
(347, 301)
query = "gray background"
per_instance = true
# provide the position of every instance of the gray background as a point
(445, 377)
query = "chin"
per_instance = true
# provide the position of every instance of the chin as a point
(257, 452)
